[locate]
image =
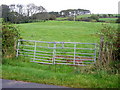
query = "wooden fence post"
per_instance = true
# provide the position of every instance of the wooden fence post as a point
(101, 48)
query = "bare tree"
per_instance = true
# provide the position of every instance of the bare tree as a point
(20, 8)
(12, 7)
(41, 9)
(31, 9)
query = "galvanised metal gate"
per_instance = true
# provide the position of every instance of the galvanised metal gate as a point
(68, 53)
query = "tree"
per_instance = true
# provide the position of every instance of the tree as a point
(52, 17)
(9, 15)
(104, 16)
(12, 7)
(57, 14)
(40, 16)
(118, 20)
(15, 17)
(29, 8)
(110, 15)
(5, 12)
(20, 6)
(95, 17)
(32, 9)
(41, 9)
(19, 13)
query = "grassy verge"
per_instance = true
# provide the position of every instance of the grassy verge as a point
(69, 76)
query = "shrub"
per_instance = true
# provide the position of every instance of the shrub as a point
(70, 18)
(52, 17)
(10, 35)
(104, 16)
(95, 17)
(109, 47)
(118, 20)
(87, 19)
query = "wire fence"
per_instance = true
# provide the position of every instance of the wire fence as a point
(67, 53)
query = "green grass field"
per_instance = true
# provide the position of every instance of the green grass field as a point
(64, 31)
(85, 15)
(108, 19)
(61, 18)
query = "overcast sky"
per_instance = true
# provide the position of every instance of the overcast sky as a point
(95, 6)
